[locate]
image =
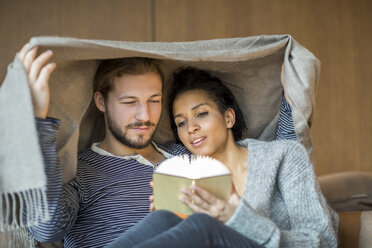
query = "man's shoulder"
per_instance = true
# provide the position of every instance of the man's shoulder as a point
(88, 158)
(85, 154)
(174, 148)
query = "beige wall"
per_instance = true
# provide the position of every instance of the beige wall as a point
(338, 32)
(90, 19)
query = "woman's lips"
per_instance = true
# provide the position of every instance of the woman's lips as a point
(198, 141)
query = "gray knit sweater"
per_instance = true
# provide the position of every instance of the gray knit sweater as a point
(282, 205)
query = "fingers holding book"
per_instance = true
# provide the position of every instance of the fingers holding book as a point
(151, 198)
(152, 205)
(200, 200)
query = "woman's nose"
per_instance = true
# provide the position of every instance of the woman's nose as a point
(192, 127)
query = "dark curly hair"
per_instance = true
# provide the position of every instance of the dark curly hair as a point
(186, 79)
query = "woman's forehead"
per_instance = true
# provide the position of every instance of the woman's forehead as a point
(191, 100)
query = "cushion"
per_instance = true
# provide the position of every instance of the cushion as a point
(348, 191)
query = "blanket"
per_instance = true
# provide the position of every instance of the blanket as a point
(256, 69)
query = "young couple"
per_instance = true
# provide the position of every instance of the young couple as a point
(276, 201)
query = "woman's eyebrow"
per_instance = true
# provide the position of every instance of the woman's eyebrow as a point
(177, 115)
(193, 108)
(197, 106)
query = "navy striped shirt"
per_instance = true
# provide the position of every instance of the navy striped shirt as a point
(108, 195)
(285, 130)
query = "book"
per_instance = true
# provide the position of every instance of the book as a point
(183, 171)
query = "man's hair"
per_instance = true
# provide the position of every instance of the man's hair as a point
(110, 69)
(186, 79)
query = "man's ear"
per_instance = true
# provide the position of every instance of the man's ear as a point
(99, 100)
(230, 117)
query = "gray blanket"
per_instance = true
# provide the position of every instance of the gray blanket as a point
(256, 69)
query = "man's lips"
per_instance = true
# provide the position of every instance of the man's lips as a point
(142, 129)
(141, 126)
(198, 141)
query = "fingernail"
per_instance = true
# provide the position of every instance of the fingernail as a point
(182, 199)
(184, 191)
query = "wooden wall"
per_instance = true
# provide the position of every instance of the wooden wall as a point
(338, 32)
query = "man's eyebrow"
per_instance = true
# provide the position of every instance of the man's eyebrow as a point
(195, 107)
(127, 97)
(155, 95)
(134, 97)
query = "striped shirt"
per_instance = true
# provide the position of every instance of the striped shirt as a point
(109, 194)
(285, 130)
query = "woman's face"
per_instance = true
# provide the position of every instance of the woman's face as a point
(201, 127)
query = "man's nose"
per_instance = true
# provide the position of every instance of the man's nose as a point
(142, 113)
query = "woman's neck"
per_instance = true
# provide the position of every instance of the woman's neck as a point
(233, 156)
(236, 159)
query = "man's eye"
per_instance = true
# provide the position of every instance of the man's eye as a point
(155, 101)
(181, 124)
(129, 103)
(202, 114)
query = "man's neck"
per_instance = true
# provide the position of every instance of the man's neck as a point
(116, 148)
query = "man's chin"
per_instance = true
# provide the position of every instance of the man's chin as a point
(140, 143)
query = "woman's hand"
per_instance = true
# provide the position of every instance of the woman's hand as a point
(200, 200)
(38, 74)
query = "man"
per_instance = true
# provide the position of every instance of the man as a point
(111, 190)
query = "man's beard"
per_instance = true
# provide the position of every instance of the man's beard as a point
(122, 137)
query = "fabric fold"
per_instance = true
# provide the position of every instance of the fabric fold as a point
(257, 69)
(22, 177)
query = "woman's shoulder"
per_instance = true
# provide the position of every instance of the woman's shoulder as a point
(277, 146)
(286, 157)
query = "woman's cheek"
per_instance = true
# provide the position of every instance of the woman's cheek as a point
(183, 137)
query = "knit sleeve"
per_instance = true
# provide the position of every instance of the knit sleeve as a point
(311, 222)
(62, 200)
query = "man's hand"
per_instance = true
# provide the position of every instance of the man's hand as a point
(38, 73)
(200, 200)
(152, 206)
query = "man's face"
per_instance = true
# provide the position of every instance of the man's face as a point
(133, 109)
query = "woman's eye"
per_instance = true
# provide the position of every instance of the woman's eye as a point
(202, 114)
(181, 124)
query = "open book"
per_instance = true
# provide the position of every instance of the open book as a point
(181, 172)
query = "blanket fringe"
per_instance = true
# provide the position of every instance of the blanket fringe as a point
(23, 209)
(19, 238)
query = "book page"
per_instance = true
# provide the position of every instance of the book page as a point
(192, 168)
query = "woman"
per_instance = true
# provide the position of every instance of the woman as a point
(276, 201)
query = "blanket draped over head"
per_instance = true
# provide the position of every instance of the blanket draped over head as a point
(256, 69)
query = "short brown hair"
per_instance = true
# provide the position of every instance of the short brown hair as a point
(110, 69)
